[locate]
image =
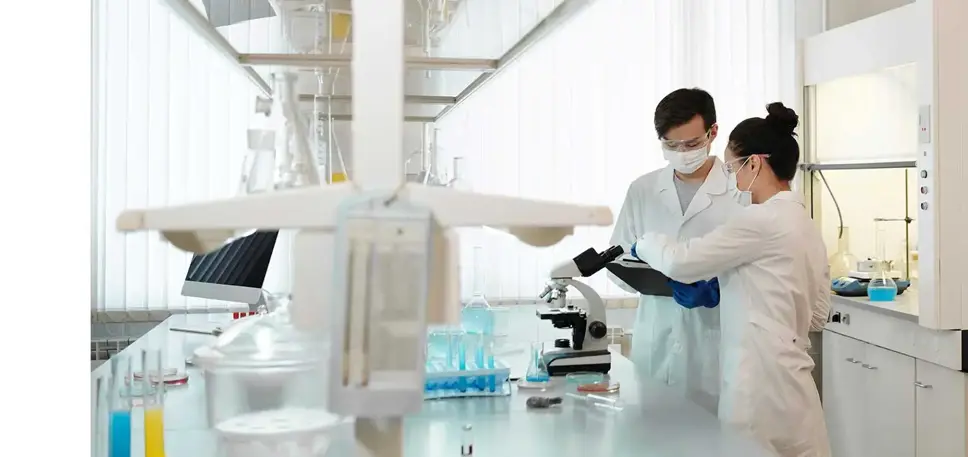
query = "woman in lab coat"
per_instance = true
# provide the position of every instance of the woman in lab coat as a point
(774, 281)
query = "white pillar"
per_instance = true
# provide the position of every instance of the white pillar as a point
(378, 70)
(942, 167)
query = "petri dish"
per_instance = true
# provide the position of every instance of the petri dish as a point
(582, 378)
(600, 387)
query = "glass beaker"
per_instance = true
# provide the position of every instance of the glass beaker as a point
(842, 261)
(259, 164)
(537, 371)
(882, 287)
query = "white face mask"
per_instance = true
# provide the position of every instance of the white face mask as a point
(744, 197)
(686, 161)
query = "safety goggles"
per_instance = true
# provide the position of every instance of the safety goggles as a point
(686, 145)
(731, 166)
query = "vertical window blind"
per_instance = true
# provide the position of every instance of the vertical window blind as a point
(171, 123)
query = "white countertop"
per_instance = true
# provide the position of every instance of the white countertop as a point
(904, 307)
(655, 422)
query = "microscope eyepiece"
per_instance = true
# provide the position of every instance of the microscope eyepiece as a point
(612, 253)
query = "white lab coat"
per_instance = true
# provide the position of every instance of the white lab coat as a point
(775, 287)
(672, 344)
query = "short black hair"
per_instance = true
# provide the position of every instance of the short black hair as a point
(680, 106)
(774, 135)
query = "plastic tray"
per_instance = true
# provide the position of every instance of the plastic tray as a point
(446, 382)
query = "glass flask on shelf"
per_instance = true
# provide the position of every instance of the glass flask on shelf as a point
(259, 164)
(882, 287)
(842, 261)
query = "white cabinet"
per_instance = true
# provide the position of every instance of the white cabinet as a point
(868, 399)
(890, 410)
(941, 407)
(843, 399)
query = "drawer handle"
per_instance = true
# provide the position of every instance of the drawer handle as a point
(852, 360)
(922, 386)
(869, 367)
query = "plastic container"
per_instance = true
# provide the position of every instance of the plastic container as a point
(265, 386)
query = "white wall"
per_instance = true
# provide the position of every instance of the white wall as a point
(573, 119)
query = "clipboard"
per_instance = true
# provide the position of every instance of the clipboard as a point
(640, 276)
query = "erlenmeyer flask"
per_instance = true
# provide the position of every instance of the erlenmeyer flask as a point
(882, 287)
(842, 261)
(537, 372)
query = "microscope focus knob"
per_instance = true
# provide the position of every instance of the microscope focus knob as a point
(562, 343)
(597, 330)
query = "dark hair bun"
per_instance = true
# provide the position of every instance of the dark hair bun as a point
(781, 118)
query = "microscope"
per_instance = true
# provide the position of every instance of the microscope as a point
(587, 350)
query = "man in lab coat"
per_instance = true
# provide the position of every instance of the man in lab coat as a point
(677, 343)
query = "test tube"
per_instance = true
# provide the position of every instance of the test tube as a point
(467, 440)
(153, 399)
(100, 412)
(119, 416)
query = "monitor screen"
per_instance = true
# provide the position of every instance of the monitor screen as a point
(235, 272)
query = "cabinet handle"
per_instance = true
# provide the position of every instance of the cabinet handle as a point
(869, 367)
(922, 386)
(852, 360)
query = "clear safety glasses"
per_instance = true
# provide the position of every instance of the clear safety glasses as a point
(738, 163)
(686, 145)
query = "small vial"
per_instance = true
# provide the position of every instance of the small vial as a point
(467, 440)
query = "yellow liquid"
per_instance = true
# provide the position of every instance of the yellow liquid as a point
(154, 432)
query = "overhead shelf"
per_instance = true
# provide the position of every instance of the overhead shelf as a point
(258, 40)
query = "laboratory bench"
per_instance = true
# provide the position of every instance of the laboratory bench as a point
(655, 420)
(892, 387)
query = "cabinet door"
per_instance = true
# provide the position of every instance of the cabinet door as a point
(940, 397)
(890, 412)
(843, 394)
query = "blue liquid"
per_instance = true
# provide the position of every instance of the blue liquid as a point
(537, 377)
(882, 293)
(119, 440)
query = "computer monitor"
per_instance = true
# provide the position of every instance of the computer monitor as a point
(235, 272)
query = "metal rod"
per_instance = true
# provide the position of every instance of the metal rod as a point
(559, 16)
(195, 21)
(344, 60)
(860, 165)
(349, 117)
(907, 226)
(412, 99)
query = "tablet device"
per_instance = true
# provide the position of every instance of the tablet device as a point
(640, 276)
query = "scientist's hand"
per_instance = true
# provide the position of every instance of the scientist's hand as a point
(698, 294)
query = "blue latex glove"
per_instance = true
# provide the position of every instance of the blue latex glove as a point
(698, 294)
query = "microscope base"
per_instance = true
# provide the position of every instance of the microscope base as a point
(562, 362)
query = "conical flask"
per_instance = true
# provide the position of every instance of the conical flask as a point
(842, 261)
(882, 287)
